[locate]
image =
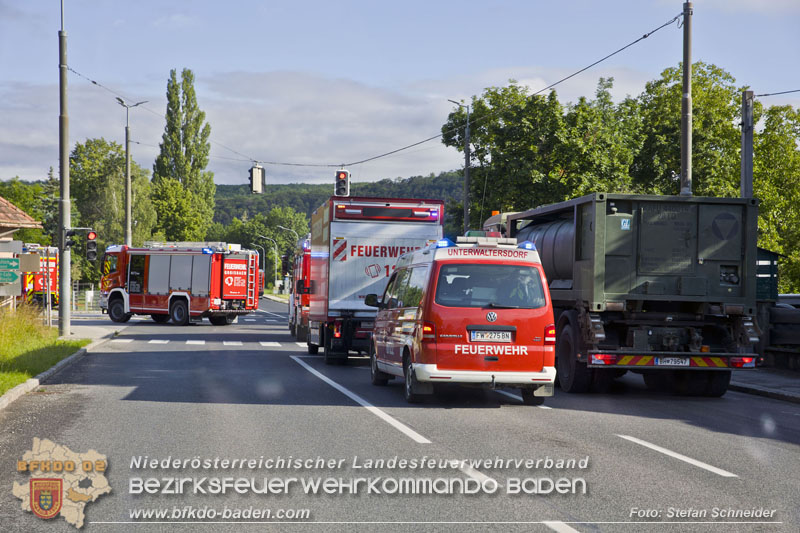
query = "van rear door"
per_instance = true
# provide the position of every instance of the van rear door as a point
(490, 316)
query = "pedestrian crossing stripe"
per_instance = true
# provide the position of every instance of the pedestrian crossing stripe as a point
(270, 344)
(196, 342)
(122, 340)
(232, 343)
(158, 341)
(302, 344)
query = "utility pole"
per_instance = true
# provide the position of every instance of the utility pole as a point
(64, 279)
(686, 103)
(128, 232)
(746, 186)
(466, 166)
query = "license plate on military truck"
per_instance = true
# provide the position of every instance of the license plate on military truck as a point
(672, 361)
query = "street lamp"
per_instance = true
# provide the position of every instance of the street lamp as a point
(275, 279)
(128, 234)
(466, 167)
(263, 256)
(296, 236)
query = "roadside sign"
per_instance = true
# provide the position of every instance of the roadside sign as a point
(8, 276)
(9, 263)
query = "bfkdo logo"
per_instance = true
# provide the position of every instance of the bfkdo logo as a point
(61, 481)
(45, 497)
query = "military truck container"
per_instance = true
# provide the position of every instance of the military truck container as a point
(661, 285)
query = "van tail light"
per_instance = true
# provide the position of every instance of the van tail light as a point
(428, 332)
(550, 335)
(337, 330)
(604, 359)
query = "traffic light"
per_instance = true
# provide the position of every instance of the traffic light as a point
(342, 186)
(285, 265)
(67, 241)
(91, 245)
(257, 179)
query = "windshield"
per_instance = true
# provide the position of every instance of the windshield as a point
(485, 285)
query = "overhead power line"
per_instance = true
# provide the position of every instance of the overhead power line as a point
(246, 158)
(775, 94)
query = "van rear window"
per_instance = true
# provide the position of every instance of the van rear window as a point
(484, 285)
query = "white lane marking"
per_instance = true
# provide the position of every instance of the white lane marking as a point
(249, 319)
(561, 527)
(157, 341)
(196, 342)
(302, 344)
(270, 344)
(676, 455)
(231, 343)
(519, 398)
(122, 340)
(416, 437)
(282, 317)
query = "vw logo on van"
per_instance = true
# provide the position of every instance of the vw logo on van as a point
(491, 316)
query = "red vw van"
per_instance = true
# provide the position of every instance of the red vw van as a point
(474, 312)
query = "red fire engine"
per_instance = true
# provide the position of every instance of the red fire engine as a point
(301, 291)
(179, 281)
(35, 285)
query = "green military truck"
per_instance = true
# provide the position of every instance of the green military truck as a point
(664, 286)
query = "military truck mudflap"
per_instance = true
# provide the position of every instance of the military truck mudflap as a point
(672, 360)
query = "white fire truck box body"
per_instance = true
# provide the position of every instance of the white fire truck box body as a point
(355, 243)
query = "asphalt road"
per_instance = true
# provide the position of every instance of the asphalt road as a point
(249, 391)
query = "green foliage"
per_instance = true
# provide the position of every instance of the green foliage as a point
(29, 348)
(181, 165)
(97, 185)
(28, 197)
(251, 233)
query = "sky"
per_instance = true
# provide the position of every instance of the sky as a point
(326, 82)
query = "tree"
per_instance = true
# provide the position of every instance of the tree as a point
(715, 133)
(28, 197)
(181, 185)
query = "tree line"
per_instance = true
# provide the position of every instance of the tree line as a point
(527, 150)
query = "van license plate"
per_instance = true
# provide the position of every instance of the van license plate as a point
(490, 336)
(672, 361)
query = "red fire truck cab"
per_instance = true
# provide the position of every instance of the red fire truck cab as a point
(179, 282)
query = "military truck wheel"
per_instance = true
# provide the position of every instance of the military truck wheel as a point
(602, 378)
(528, 397)
(656, 381)
(573, 376)
(718, 382)
(160, 319)
(689, 383)
(116, 311)
(179, 312)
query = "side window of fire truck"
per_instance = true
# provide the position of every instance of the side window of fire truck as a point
(411, 295)
(109, 264)
(136, 274)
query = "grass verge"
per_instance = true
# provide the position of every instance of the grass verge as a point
(28, 347)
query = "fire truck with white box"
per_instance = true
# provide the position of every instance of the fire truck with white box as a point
(355, 243)
(36, 285)
(179, 281)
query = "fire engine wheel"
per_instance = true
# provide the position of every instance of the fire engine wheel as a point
(116, 311)
(179, 312)
(528, 397)
(292, 329)
(301, 332)
(409, 382)
(160, 319)
(230, 318)
(379, 378)
(313, 349)
(573, 376)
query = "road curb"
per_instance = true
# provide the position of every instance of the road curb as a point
(763, 391)
(24, 388)
(275, 299)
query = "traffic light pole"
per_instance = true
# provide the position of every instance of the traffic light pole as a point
(64, 280)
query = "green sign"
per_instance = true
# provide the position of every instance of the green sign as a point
(8, 276)
(9, 263)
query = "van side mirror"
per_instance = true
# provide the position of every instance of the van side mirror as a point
(372, 300)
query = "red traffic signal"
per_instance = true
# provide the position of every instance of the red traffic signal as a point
(91, 236)
(342, 185)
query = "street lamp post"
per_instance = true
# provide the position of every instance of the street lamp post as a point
(263, 257)
(296, 236)
(275, 279)
(466, 167)
(128, 233)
